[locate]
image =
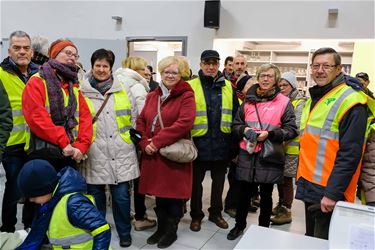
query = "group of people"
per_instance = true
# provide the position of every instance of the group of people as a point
(108, 129)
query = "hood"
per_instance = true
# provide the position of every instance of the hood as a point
(130, 78)
(296, 95)
(70, 181)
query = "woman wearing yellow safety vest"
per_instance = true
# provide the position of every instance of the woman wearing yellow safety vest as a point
(112, 158)
(288, 86)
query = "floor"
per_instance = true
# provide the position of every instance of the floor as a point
(210, 236)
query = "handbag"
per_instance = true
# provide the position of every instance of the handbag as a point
(182, 151)
(41, 149)
(272, 152)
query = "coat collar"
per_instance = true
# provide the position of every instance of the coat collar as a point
(180, 88)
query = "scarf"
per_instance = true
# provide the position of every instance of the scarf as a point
(165, 91)
(266, 93)
(51, 71)
(102, 86)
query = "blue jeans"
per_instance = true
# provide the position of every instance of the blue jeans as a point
(120, 205)
(12, 165)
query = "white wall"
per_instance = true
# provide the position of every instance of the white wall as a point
(239, 19)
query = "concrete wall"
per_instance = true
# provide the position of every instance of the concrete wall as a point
(239, 19)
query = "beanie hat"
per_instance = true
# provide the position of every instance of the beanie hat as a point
(241, 81)
(290, 76)
(37, 178)
(57, 46)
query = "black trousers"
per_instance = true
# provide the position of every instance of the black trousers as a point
(317, 222)
(247, 190)
(218, 170)
(231, 199)
(173, 208)
(139, 202)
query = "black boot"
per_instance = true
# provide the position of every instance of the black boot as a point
(155, 237)
(170, 235)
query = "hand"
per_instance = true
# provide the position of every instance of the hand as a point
(68, 150)
(77, 156)
(327, 204)
(150, 148)
(262, 136)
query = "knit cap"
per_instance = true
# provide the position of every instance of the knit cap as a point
(241, 81)
(37, 178)
(291, 78)
(57, 46)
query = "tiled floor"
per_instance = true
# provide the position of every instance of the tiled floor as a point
(210, 236)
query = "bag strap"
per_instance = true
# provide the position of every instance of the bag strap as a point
(256, 110)
(159, 113)
(95, 118)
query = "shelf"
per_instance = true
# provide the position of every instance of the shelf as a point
(299, 63)
(258, 62)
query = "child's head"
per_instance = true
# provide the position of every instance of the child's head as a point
(37, 181)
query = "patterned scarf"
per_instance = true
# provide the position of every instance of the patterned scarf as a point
(51, 71)
(102, 86)
(266, 93)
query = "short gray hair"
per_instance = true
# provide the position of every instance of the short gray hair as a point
(40, 44)
(18, 33)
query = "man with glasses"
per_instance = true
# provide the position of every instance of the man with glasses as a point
(334, 124)
(216, 104)
(15, 70)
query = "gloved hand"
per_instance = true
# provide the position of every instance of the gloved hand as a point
(135, 136)
(251, 135)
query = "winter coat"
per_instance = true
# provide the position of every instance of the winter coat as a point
(291, 161)
(80, 210)
(215, 145)
(368, 170)
(160, 176)
(110, 159)
(135, 84)
(40, 121)
(249, 168)
(351, 125)
(6, 119)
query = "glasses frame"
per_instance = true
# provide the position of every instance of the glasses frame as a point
(70, 54)
(326, 67)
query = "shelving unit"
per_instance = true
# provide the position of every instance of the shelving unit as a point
(287, 60)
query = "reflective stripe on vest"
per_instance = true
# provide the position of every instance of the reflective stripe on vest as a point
(14, 87)
(200, 127)
(66, 101)
(62, 234)
(320, 137)
(122, 109)
(292, 148)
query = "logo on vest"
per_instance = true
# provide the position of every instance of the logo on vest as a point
(329, 100)
(268, 108)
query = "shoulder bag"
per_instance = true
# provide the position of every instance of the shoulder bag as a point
(272, 152)
(182, 151)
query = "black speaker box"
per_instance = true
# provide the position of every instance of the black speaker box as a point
(212, 14)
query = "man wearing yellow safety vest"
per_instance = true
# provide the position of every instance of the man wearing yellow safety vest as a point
(15, 70)
(66, 216)
(216, 104)
(333, 129)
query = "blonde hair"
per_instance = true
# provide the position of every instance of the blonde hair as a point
(267, 66)
(134, 63)
(169, 60)
(185, 71)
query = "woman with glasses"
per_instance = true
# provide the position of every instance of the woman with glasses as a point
(265, 118)
(54, 108)
(170, 182)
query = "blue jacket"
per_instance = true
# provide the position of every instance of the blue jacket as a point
(215, 145)
(81, 212)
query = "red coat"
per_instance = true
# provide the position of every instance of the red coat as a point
(159, 176)
(40, 122)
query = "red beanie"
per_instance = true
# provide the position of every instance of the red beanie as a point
(57, 46)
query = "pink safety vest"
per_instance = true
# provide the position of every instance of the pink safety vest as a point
(270, 114)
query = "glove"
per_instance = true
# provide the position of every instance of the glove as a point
(251, 135)
(135, 136)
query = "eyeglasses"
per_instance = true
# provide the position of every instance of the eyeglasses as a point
(18, 48)
(316, 67)
(262, 76)
(170, 73)
(284, 85)
(70, 54)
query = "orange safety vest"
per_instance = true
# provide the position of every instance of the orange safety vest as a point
(319, 141)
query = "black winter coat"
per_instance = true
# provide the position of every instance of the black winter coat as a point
(249, 168)
(6, 119)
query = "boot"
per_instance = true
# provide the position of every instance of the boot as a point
(170, 235)
(276, 210)
(283, 217)
(160, 231)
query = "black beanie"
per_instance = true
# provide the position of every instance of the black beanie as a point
(37, 178)
(242, 82)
